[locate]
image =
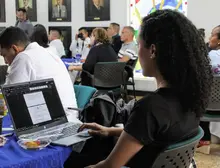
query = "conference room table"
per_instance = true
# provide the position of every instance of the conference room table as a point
(14, 156)
(143, 84)
(72, 61)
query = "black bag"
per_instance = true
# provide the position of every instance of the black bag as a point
(107, 110)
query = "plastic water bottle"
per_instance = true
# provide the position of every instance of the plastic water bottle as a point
(78, 58)
(3, 107)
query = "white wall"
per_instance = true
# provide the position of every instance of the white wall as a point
(119, 14)
(204, 14)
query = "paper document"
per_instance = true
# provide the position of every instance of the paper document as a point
(37, 107)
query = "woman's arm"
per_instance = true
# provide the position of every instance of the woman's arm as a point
(125, 149)
(99, 130)
(75, 68)
(115, 131)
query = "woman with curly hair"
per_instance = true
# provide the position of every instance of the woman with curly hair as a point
(171, 50)
(213, 127)
(101, 51)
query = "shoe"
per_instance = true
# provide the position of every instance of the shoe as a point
(204, 147)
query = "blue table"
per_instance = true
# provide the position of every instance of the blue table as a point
(71, 61)
(13, 156)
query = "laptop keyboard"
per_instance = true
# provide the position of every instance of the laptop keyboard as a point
(54, 133)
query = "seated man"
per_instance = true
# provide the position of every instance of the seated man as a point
(29, 62)
(113, 33)
(55, 41)
(129, 49)
(81, 44)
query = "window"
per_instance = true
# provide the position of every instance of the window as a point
(141, 8)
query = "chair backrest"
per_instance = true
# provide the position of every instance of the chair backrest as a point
(214, 101)
(83, 95)
(129, 68)
(109, 74)
(179, 155)
(3, 73)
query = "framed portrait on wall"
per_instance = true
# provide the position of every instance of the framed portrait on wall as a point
(30, 6)
(97, 10)
(66, 35)
(59, 10)
(2, 11)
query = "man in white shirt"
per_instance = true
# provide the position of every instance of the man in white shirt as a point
(129, 49)
(81, 44)
(55, 41)
(30, 62)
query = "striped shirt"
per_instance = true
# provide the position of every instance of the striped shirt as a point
(130, 50)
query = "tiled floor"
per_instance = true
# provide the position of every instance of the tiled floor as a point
(209, 161)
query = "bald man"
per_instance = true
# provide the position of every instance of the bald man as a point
(129, 49)
(55, 41)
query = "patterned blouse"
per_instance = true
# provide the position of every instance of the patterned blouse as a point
(215, 61)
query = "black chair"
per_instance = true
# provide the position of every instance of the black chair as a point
(108, 76)
(212, 111)
(3, 73)
(214, 102)
(129, 73)
(179, 155)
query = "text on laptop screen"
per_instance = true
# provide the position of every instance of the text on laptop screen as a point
(34, 104)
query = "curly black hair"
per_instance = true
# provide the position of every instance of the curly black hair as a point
(181, 57)
(202, 32)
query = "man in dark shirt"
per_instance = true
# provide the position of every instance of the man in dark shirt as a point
(23, 22)
(113, 33)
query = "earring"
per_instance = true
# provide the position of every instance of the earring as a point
(152, 56)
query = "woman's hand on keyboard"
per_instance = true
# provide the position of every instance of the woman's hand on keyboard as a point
(96, 129)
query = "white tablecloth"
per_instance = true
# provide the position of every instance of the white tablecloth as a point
(73, 74)
(144, 83)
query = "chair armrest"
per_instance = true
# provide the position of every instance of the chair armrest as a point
(130, 70)
(129, 66)
(89, 75)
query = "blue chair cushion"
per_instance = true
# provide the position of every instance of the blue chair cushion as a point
(83, 95)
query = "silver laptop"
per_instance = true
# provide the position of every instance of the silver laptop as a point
(37, 112)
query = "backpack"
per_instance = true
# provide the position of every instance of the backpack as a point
(106, 109)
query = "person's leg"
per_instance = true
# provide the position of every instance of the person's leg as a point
(94, 151)
(204, 144)
(207, 134)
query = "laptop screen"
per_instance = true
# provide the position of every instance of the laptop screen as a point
(33, 104)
